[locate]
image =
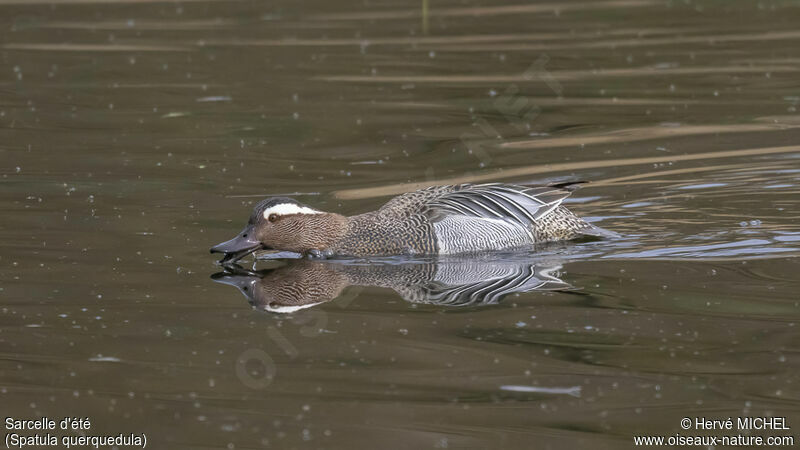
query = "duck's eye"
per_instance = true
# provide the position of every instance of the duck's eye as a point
(272, 217)
(244, 235)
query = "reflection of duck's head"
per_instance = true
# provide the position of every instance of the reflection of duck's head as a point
(287, 288)
(304, 283)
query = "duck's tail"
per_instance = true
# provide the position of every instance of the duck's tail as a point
(590, 230)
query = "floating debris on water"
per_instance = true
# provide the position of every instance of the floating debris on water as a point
(574, 391)
(215, 98)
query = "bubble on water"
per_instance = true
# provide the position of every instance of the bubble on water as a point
(751, 223)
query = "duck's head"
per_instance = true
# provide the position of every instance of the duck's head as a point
(282, 223)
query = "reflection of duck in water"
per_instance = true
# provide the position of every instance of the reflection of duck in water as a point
(440, 220)
(304, 283)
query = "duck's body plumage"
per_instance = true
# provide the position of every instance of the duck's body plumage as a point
(464, 218)
(452, 219)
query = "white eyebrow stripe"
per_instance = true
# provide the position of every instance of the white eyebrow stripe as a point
(288, 208)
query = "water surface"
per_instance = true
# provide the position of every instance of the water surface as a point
(136, 134)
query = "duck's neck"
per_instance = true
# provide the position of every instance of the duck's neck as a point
(319, 232)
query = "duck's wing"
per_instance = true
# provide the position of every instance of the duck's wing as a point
(520, 205)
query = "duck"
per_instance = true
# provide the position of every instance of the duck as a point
(438, 220)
